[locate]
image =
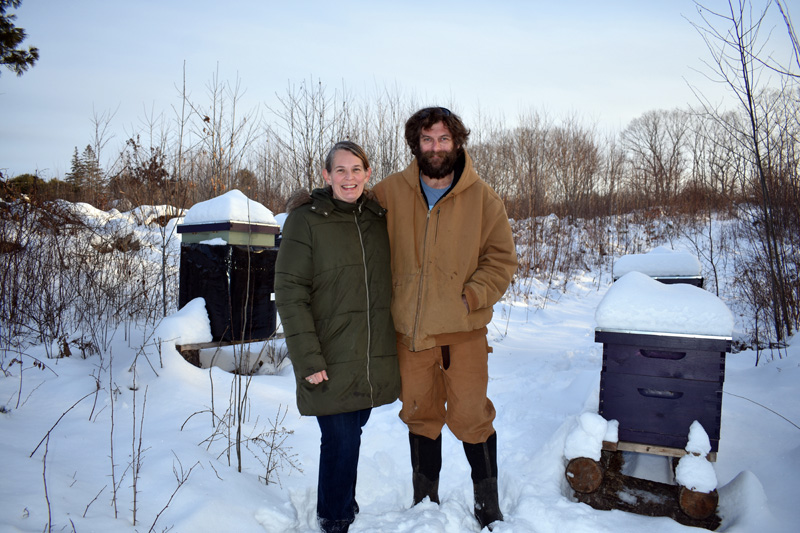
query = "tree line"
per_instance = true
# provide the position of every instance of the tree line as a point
(678, 159)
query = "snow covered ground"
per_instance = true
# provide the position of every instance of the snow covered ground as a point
(59, 422)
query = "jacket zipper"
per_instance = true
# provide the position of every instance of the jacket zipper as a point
(421, 282)
(436, 231)
(366, 287)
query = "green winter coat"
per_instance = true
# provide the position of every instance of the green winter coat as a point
(333, 291)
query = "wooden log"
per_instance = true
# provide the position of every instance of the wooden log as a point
(698, 505)
(584, 475)
(192, 356)
(640, 496)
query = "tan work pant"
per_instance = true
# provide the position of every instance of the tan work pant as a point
(435, 394)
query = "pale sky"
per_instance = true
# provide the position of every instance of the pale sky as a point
(606, 62)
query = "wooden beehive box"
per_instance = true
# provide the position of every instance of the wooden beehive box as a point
(232, 232)
(664, 349)
(655, 385)
(662, 264)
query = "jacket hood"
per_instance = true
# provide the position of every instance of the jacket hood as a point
(324, 202)
(298, 198)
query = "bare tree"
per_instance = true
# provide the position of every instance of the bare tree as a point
(526, 151)
(574, 163)
(655, 144)
(734, 40)
(226, 136)
(304, 132)
(381, 130)
(102, 131)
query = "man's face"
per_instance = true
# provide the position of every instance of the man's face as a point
(438, 153)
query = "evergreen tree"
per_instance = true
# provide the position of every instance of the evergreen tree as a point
(93, 174)
(25, 183)
(76, 175)
(86, 176)
(15, 59)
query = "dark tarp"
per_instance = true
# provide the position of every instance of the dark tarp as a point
(237, 283)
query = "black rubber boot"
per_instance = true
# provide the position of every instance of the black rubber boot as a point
(426, 463)
(482, 458)
(333, 526)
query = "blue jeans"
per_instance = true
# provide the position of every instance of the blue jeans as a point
(338, 464)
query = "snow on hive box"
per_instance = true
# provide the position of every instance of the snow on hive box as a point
(663, 360)
(636, 302)
(662, 264)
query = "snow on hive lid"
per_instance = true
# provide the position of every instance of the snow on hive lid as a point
(232, 206)
(659, 262)
(231, 218)
(638, 303)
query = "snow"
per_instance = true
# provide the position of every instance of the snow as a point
(544, 381)
(231, 206)
(189, 325)
(586, 440)
(694, 471)
(281, 218)
(699, 442)
(659, 262)
(637, 302)
(216, 241)
(612, 431)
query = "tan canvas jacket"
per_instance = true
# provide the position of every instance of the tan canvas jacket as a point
(463, 246)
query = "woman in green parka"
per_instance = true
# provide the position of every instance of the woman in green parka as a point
(333, 292)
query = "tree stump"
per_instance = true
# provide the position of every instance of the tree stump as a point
(698, 505)
(192, 356)
(584, 475)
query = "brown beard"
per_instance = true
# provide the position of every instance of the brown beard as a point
(439, 170)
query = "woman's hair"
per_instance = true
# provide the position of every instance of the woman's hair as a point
(426, 118)
(351, 147)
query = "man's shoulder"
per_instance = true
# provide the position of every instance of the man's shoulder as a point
(395, 183)
(391, 178)
(384, 183)
(473, 181)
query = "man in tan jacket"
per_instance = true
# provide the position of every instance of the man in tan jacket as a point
(453, 258)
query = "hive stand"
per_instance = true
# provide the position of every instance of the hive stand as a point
(191, 352)
(603, 486)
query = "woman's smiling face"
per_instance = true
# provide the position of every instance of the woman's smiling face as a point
(347, 176)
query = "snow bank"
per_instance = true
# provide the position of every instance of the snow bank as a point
(744, 506)
(637, 302)
(146, 214)
(189, 325)
(231, 206)
(659, 262)
(88, 212)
